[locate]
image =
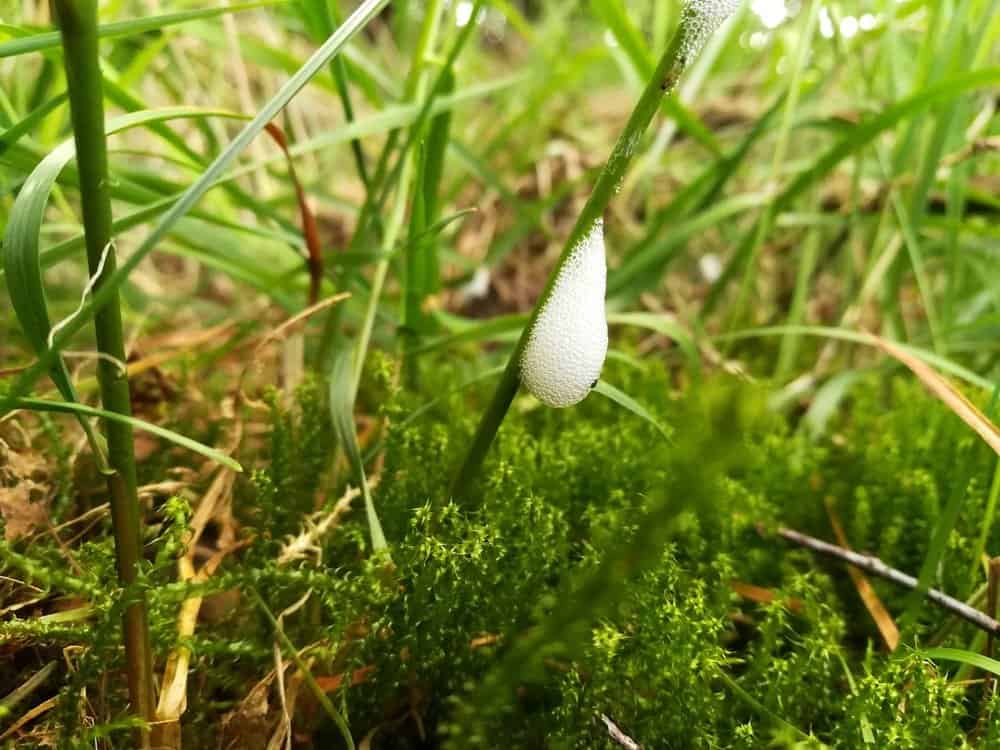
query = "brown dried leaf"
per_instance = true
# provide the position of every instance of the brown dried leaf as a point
(24, 491)
(883, 620)
(945, 392)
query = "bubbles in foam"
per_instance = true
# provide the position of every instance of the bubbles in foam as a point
(701, 19)
(569, 340)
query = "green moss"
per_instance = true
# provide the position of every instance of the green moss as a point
(591, 575)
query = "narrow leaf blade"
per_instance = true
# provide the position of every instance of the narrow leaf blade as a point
(66, 407)
(627, 402)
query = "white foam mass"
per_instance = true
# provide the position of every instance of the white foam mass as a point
(702, 18)
(568, 343)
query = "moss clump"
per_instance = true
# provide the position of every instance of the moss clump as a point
(590, 573)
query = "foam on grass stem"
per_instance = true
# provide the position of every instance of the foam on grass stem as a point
(566, 346)
(699, 20)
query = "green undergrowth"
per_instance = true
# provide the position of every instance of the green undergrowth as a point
(591, 573)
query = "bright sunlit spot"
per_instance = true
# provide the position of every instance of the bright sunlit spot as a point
(772, 13)
(868, 22)
(825, 23)
(849, 27)
(463, 13)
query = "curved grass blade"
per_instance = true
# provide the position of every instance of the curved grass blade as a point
(318, 693)
(945, 392)
(480, 330)
(627, 402)
(806, 740)
(424, 408)
(76, 409)
(357, 21)
(30, 42)
(15, 131)
(964, 657)
(827, 400)
(20, 242)
(342, 412)
(855, 337)
(665, 326)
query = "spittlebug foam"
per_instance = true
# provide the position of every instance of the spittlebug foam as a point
(566, 347)
(702, 18)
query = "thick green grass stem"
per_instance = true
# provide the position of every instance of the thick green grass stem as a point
(661, 83)
(78, 25)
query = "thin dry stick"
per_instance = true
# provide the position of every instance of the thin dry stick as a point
(876, 567)
(618, 735)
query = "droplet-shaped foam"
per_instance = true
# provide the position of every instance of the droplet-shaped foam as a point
(702, 18)
(569, 341)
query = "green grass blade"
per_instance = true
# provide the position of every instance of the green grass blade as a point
(77, 409)
(665, 326)
(827, 400)
(11, 135)
(614, 15)
(964, 657)
(21, 238)
(438, 136)
(29, 42)
(341, 392)
(855, 337)
(422, 267)
(319, 18)
(653, 252)
(318, 693)
(478, 331)
(627, 402)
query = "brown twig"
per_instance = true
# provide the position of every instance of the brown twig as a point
(618, 735)
(876, 567)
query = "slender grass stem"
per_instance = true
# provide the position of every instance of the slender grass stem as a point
(416, 87)
(661, 83)
(78, 27)
(321, 697)
(338, 68)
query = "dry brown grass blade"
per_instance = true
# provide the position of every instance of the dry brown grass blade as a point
(332, 683)
(310, 231)
(173, 691)
(176, 345)
(761, 595)
(883, 620)
(31, 715)
(307, 542)
(214, 506)
(279, 332)
(255, 362)
(946, 392)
